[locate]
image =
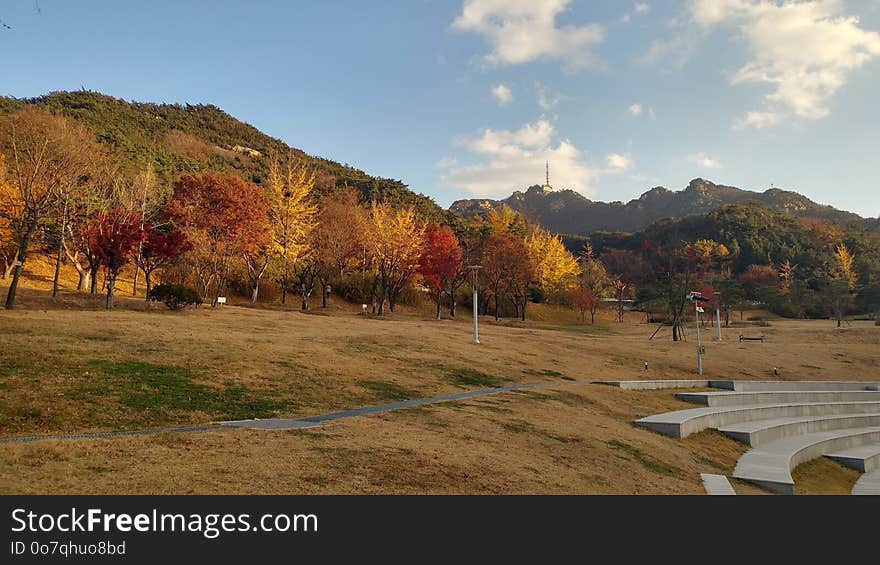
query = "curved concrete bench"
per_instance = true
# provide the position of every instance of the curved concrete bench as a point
(758, 386)
(683, 423)
(776, 397)
(763, 431)
(863, 459)
(869, 483)
(770, 465)
(716, 485)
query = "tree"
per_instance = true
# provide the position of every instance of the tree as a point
(555, 268)
(291, 217)
(504, 219)
(592, 284)
(844, 268)
(627, 270)
(8, 236)
(159, 247)
(440, 261)
(507, 269)
(787, 273)
(44, 154)
(223, 217)
(757, 277)
(337, 239)
(395, 241)
(114, 236)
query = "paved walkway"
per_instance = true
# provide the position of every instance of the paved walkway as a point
(294, 423)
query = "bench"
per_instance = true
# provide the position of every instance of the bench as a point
(761, 337)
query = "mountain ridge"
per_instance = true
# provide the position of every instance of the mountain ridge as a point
(567, 211)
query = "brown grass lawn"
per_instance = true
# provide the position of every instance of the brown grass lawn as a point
(66, 365)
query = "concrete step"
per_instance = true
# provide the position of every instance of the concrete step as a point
(770, 465)
(767, 386)
(759, 432)
(776, 397)
(869, 483)
(655, 385)
(683, 423)
(864, 459)
(716, 485)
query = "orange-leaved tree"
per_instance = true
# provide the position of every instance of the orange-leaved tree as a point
(223, 217)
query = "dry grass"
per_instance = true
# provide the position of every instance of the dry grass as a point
(65, 367)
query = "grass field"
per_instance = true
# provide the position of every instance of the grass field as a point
(68, 366)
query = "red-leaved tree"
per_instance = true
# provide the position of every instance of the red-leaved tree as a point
(440, 261)
(114, 236)
(159, 249)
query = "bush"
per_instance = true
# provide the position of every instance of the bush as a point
(175, 296)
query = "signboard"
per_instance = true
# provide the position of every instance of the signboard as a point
(221, 300)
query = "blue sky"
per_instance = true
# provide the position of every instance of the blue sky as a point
(469, 98)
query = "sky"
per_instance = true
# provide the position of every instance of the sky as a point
(470, 98)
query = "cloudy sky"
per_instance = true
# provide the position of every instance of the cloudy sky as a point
(470, 98)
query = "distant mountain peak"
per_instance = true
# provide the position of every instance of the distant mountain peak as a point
(566, 211)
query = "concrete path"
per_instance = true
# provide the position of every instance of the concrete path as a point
(716, 485)
(294, 423)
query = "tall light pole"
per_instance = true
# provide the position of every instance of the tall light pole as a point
(717, 295)
(698, 299)
(475, 269)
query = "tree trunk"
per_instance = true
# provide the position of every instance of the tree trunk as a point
(522, 310)
(439, 301)
(283, 292)
(323, 295)
(93, 276)
(147, 282)
(7, 269)
(496, 305)
(255, 292)
(84, 279)
(305, 299)
(58, 257)
(452, 304)
(111, 283)
(19, 265)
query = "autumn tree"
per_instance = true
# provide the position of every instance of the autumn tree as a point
(44, 154)
(507, 269)
(842, 281)
(395, 242)
(504, 219)
(291, 217)
(592, 284)
(8, 236)
(159, 247)
(554, 267)
(114, 236)
(627, 270)
(337, 240)
(223, 217)
(440, 261)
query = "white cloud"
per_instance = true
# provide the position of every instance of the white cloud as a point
(509, 160)
(758, 120)
(446, 162)
(704, 161)
(805, 50)
(635, 109)
(639, 9)
(503, 94)
(546, 100)
(521, 31)
(618, 162)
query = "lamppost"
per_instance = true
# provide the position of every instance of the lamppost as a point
(717, 295)
(698, 299)
(475, 269)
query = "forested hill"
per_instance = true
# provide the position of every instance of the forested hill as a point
(756, 234)
(189, 138)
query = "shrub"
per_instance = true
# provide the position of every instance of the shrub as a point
(175, 296)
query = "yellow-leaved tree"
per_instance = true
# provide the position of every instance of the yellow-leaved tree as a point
(844, 269)
(395, 242)
(291, 217)
(556, 269)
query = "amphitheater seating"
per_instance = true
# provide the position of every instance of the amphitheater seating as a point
(785, 423)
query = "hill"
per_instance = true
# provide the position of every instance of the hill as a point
(180, 138)
(567, 211)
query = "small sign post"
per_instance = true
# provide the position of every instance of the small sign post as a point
(221, 300)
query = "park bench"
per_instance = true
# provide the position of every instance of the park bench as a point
(761, 337)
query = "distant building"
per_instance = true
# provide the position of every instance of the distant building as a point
(247, 150)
